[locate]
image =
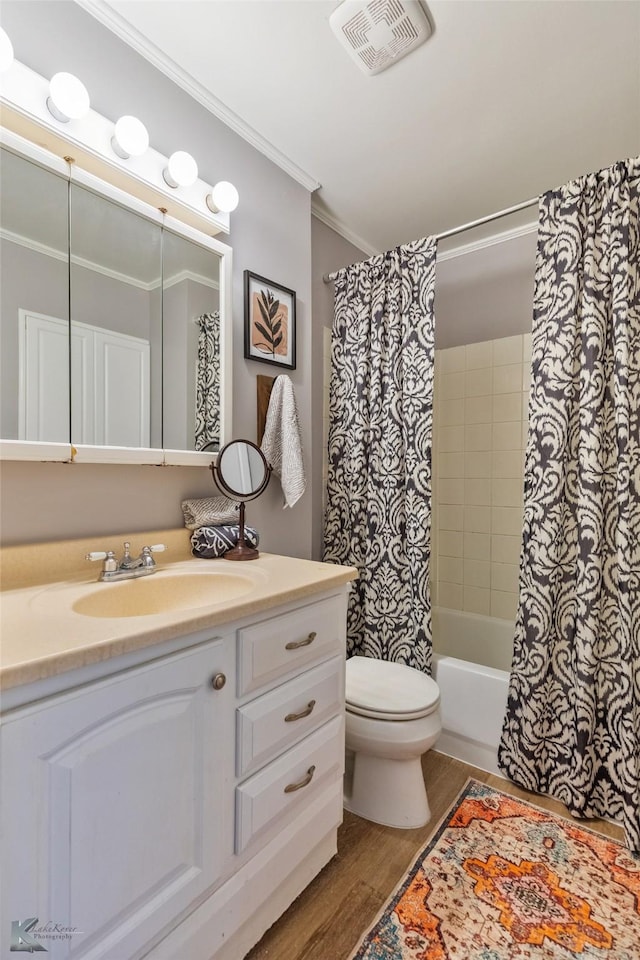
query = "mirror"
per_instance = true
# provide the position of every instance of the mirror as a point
(191, 358)
(112, 322)
(242, 473)
(116, 323)
(34, 304)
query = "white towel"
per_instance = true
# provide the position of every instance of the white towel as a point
(281, 442)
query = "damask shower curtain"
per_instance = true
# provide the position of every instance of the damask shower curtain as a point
(572, 726)
(378, 515)
(207, 428)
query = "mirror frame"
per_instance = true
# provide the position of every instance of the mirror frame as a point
(224, 487)
(31, 450)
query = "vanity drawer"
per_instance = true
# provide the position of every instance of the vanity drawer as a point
(269, 724)
(275, 647)
(291, 780)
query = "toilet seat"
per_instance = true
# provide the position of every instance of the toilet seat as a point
(389, 691)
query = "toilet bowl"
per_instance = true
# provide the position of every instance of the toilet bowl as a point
(392, 718)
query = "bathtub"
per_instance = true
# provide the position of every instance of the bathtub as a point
(472, 659)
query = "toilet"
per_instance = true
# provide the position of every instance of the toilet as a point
(392, 718)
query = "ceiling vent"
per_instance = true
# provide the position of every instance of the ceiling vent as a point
(378, 33)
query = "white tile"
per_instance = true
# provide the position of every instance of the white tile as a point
(506, 406)
(506, 464)
(451, 412)
(477, 520)
(507, 436)
(451, 543)
(504, 605)
(479, 437)
(526, 377)
(505, 549)
(525, 434)
(505, 493)
(504, 576)
(450, 569)
(450, 595)
(526, 347)
(478, 383)
(452, 359)
(507, 350)
(450, 517)
(477, 600)
(479, 355)
(477, 573)
(507, 379)
(477, 464)
(451, 386)
(451, 491)
(478, 409)
(525, 405)
(451, 439)
(506, 521)
(449, 464)
(476, 546)
(478, 492)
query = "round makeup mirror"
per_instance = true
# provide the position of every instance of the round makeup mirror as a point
(242, 473)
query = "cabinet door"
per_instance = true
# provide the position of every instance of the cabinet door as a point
(113, 809)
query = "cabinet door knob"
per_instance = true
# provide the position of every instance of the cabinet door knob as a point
(303, 713)
(292, 787)
(294, 644)
(218, 681)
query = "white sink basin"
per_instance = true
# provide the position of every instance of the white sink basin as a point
(161, 593)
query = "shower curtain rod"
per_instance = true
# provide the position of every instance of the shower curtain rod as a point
(329, 277)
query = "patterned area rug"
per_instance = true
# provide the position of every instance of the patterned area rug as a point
(504, 880)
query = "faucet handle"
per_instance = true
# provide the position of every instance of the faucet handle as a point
(145, 555)
(109, 557)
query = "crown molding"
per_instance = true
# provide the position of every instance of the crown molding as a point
(321, 214)
(106, 15)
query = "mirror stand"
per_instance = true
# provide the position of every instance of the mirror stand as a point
(241, 473)
(242, 550)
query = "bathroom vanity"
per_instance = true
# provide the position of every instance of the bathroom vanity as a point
(171, 781)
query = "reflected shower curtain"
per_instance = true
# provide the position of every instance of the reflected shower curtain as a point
(572, 726)
(207, 429)
(378, 515)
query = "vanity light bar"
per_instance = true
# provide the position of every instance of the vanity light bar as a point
(115, 153)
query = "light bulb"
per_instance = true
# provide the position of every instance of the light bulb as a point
(6, 51)
(223, 197)
(68, 98)
(130, 138)
(181, 171)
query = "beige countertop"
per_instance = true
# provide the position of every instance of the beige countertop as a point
(43, 636)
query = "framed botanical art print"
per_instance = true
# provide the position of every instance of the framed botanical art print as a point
(269, 322)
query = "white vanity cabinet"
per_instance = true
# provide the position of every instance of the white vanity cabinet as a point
(112, 819)
(174, 809)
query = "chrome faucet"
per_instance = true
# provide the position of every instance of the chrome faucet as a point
(128, 568)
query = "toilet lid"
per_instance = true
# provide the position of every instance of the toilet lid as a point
(389, 691)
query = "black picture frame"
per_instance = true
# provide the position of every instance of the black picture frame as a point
(269, 322)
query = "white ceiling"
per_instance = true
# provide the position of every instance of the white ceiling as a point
(506, 100)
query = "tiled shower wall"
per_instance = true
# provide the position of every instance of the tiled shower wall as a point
(481, 394)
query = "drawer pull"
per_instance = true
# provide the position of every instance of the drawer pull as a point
(292, 787)
(290, 717)
(218, 681)
(294, 644)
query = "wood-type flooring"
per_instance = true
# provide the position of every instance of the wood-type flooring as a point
(328, 918)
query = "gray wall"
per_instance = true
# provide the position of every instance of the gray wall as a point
(329, 252)
(485, 294)
(271, 235)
